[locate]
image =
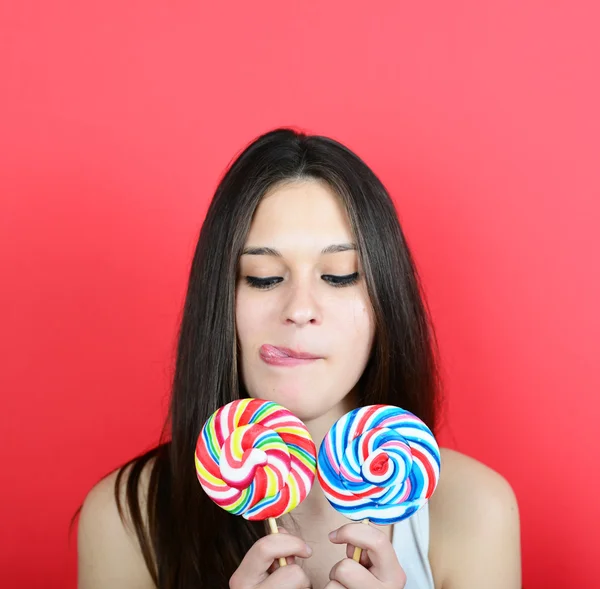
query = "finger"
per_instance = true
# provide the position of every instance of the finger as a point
(385, 565)
(334, 585)
(350, 550)
(288, 559)
(289, 577)
(364, 556)
(258, 560)
(352, 575)
(276, 564)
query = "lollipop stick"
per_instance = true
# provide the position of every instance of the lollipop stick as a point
(274, 530)
(357, 550)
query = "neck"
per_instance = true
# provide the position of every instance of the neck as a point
(319, 426)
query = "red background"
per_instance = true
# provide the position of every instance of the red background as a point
(116, 122)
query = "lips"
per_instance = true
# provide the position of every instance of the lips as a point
(269, 351)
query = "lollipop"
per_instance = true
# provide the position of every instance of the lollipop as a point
(256, 459)
(378, 463)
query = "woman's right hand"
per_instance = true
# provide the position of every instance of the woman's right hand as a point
(254, 570)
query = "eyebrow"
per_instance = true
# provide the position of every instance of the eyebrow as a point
(269, 251)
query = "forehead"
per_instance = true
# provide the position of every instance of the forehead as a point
(299, 211)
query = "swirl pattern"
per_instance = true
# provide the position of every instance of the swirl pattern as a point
(380, 463)
(255, 458)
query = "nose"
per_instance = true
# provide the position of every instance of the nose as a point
(301, 306)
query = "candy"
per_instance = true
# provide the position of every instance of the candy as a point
(255, 458)
(380, 463)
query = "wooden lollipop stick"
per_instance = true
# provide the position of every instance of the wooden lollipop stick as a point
(357, 550)
(274, 530)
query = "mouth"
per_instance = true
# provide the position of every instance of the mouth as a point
(269, 352)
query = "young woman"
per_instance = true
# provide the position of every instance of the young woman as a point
(301, 251)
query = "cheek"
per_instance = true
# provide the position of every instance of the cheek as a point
(241, 320)
(245, 326)
(248, 316)
(355, 332)
(360, 322)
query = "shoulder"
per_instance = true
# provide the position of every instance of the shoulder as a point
(108, 551)
(475, 530)
(468, 483)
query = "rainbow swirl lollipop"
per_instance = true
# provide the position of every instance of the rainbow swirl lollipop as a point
(378, 463)
(256, 459)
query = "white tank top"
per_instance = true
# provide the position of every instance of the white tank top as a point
(410, 539)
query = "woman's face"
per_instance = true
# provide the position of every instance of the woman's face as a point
(300, 307)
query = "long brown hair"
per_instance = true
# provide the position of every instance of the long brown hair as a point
(190, 542)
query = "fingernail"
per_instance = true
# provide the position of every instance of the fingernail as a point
(308, 549)
(332, 535)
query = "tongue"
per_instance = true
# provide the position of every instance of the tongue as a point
(273, 352)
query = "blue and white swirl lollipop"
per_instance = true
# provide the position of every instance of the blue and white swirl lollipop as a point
(379, 463)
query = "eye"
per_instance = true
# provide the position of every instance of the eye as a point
(263, 282)
(338, 281)
(335, 281)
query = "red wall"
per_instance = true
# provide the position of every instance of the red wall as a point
(116, 121)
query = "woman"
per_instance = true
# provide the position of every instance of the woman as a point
(301, 251)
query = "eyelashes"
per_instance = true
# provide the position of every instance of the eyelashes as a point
(335, 281)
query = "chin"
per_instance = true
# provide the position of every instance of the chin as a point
(304, 411)
(304, 407)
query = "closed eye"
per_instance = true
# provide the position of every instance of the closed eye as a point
(341, 280)
(336, 281)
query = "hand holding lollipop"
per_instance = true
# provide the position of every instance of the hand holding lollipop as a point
(256, 459)
(378, 463)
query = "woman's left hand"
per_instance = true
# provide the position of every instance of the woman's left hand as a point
(378, 568)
